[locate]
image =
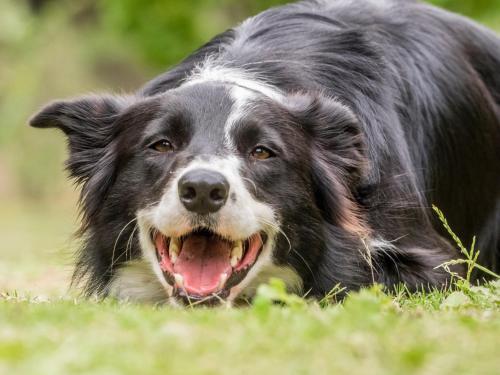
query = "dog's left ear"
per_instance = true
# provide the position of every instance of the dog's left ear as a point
(337, 156)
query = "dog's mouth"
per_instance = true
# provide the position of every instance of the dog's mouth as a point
(203, 264)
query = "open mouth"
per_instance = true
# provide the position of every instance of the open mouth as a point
(202, 264)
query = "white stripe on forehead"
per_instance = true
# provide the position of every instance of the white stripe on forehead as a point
(209, 72)
(241, 99)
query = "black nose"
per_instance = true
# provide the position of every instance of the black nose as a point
(203, 191)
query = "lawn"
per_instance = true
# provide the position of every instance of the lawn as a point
(370, 333)
(47, 330)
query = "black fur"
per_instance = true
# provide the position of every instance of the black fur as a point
(419, 124)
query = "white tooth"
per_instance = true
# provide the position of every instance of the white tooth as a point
(236, 253)
(179, 280)
(222, 280)
(174, 248)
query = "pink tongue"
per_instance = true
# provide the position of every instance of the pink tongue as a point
(202, 261)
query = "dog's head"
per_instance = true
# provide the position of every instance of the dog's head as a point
(228, 184)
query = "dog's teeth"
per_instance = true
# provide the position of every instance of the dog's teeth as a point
(222, 280)
(179, 280)
(236, 253)
(174, 249)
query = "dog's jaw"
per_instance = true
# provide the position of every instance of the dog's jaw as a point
(246, 287)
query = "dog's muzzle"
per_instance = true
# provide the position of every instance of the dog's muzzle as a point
(201, 243)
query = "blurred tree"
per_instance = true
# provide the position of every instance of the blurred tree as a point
(165, 31)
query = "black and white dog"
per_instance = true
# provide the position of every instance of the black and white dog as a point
(307, 144)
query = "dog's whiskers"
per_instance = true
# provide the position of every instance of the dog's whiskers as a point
(290, 248)
(128, 246)
(251, 182)
(116, 243)
(277, 229)
(129, 243)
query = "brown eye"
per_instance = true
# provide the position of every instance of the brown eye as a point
(261, 153)
(162, 146)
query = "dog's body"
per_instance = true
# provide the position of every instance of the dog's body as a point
(308, 144)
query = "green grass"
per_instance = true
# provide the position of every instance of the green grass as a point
(369, 333)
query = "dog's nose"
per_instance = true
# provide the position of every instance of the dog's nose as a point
(203, 191)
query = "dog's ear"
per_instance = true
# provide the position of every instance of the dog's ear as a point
(88, 125)
(337, 156)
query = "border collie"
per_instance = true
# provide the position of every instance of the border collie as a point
(307, 144)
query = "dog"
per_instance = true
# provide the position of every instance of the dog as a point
(306, 144)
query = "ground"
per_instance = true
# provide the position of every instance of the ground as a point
(369, 334)
(48, 330)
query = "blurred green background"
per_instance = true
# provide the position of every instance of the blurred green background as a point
(54, 49)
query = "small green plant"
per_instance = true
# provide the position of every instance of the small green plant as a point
(471, 255)
(331, 297)
(275, 292)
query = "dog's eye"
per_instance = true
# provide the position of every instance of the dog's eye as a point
(162, 146)
(262, 153)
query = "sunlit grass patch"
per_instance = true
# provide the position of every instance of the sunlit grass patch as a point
(369, 332)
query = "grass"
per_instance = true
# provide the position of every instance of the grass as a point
(45, 330)
(370, 332)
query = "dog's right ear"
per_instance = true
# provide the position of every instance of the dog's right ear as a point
(88, 124)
